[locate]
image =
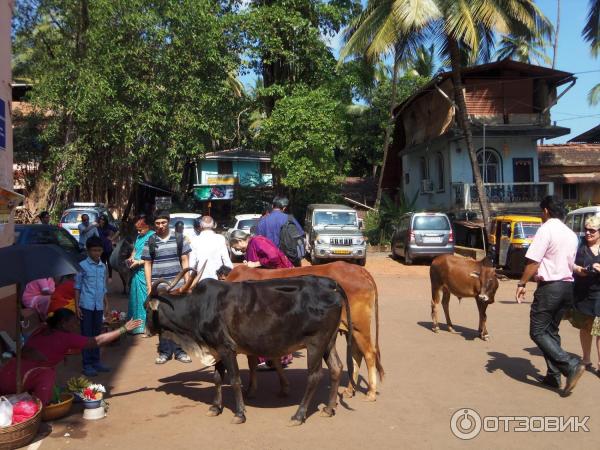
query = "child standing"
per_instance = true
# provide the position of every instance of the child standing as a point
(91, 301)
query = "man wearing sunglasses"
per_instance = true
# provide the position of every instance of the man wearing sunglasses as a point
(551, 258)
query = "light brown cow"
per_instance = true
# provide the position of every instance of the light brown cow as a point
(462, 277)
(361, 290)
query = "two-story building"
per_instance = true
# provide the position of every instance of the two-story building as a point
(219, 175)
(508, 106)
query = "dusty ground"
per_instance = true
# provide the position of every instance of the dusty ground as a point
(428, 377)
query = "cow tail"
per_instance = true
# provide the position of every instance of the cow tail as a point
(349, 360)
(378, 365)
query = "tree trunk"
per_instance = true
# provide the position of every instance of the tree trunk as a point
(556, 33)
(463, 122)
(390, 126)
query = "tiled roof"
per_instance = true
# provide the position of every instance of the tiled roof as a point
(569, 155)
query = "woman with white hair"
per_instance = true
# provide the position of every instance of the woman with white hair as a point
(586, 307)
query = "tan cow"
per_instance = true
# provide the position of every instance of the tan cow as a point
(361, 291)
(462, 277)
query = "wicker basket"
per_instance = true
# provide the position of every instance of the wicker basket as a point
(58, 410)
(22, 433)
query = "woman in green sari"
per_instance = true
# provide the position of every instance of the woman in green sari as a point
(138, 291)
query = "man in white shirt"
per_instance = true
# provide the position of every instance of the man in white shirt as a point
(210, 247)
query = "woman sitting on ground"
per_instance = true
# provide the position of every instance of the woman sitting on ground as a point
(586, 305)
(47, 347)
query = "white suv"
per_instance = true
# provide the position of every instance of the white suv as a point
(245, 222)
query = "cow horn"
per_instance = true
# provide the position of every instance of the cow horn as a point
(189, 283)
(199, 275)
(178, 278)
(156, 283)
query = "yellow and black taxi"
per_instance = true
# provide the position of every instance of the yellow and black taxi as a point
(510, 237)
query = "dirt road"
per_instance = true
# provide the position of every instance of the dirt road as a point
(429, 377)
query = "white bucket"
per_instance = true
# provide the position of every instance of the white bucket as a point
(94, 413)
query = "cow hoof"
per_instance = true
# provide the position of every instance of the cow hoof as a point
(435, 329)
(213, 411)
(371, 396)
(237, 420)
(485, 337)
(294, 422)
(327, 412)
(451, 330)
(348, 393)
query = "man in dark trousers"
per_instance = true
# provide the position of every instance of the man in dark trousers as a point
(270, 225)
(551, 257)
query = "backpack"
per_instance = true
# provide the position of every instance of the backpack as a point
(152, 245)
(291, 243)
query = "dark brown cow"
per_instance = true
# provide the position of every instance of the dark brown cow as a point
(462, 277)
(361, 290)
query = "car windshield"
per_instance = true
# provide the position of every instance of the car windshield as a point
(336, 218)
(246, 224)
(74, 216)
(526, 230)
(188, 222)
(431, 223)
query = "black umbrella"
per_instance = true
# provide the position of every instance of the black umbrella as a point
(24, 263)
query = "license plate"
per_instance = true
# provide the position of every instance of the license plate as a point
(432, 240)
(75, 232)
(341, 252)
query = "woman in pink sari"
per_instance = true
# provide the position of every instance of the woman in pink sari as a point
(261, 252)
(37, 295)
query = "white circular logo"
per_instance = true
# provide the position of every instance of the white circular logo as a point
(465, 424)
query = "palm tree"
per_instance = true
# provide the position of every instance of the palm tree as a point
(591, 33)
(526, 49)
(422, 64)
(464, 27)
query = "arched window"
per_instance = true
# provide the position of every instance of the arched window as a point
(441, 176)
(490, 165)
(423, 168)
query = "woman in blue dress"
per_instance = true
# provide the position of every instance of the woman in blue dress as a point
(138, 291)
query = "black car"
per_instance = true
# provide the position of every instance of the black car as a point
(49, 234)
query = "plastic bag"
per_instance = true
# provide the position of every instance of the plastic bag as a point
(6, 412)
(24, 410)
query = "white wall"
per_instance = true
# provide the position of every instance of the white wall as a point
(457, 166)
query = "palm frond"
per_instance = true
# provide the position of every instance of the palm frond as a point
(591, 30)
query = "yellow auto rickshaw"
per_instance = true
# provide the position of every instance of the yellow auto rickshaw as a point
(510, 237)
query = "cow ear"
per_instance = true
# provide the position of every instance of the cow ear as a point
(153, 302)
(474, 274)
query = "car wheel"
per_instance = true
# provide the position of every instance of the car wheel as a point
(362, 262)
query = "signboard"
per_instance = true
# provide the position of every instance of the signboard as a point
(204, 193)
(2, 124)
(216, 179)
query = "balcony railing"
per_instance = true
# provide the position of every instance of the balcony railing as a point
(465, 194)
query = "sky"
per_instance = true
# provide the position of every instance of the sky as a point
(573, 55)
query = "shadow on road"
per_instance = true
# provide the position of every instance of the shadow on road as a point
(198, 386)
(519, 369)
(468, 333)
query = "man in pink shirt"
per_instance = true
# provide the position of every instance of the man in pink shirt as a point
(550, 259)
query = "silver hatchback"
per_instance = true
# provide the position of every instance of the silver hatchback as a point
(422, 235)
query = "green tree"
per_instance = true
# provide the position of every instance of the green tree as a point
(465, 27)
(591, 33)
(132, 90)
(306, 128)
(526, 49)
